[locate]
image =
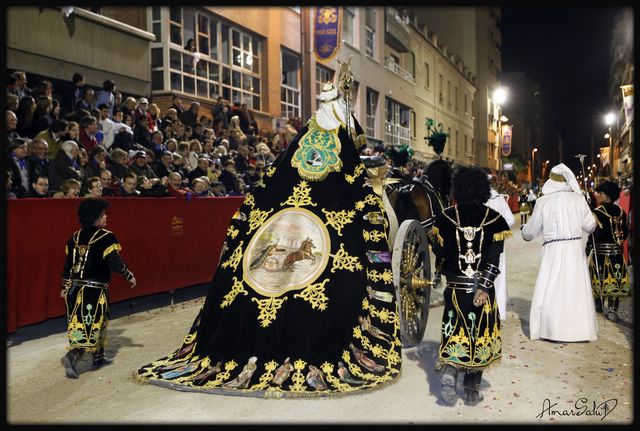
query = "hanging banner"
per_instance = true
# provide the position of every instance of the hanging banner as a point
(604, 156)
(627, 102)
(326, 38)
(507, 130)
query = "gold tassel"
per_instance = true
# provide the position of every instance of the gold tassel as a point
(435, 233)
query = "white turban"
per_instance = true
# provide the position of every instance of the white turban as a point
(561, 179)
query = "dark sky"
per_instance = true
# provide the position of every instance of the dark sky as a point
(568, 52)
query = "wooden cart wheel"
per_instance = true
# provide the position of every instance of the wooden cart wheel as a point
(412, 279)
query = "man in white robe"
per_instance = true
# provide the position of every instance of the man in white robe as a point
(498, 203)
(562, 307)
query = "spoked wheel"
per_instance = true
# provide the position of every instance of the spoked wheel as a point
(412, 279)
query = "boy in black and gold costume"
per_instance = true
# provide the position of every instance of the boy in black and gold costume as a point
(610, 280)
(467, 240)
(302, 303)
(92, 253)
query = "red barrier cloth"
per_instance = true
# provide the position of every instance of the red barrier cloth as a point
(625, 203)
(168, 243)
(513, 204)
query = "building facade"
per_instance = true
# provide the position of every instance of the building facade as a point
(621, 95)
(264, 57)
(474, 34)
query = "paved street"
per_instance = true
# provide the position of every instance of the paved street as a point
(532, 376)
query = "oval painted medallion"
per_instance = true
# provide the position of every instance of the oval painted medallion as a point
(288, 252)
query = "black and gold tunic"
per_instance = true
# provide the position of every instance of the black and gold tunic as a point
(610, 232)
(302, 301)
(91, 255)
(466, 239)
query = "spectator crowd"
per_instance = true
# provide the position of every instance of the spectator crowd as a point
(78, 141)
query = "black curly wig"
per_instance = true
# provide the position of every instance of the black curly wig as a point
(439, 173)
(471, 186)
(90, 209)
(610, 189)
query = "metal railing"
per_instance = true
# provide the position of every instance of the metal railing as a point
(395, 68)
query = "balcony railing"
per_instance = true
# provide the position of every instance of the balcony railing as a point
(395, 68)
(396, 135)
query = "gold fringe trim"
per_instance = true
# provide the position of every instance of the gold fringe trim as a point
(268, 394)
(435, 234)
(501, 236)
(114, 247)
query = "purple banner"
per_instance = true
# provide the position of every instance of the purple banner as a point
(326, 32)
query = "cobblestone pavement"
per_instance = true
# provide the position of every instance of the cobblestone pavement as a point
(536, 382)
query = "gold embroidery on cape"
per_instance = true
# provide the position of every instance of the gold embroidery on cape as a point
(270, 171)
(232, 232)
(314, 294)
(224, 375)
(342, 260)
(373, 236)
(375, 276)
(369, 200)
(256, 218)
(266, 377)
(235, 258)
(327, 369)
(356, 173)
(236, 289)
(268, 308)
(300, 196)
(189, 338)
(376, 349)
(338, 219)
(249, 200)
(298, 378)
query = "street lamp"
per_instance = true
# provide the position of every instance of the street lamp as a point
(533, 165)
(499, 98)
(544, 169)
(500, 95)
(609, 119)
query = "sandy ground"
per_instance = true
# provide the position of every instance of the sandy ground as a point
(536, 381)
